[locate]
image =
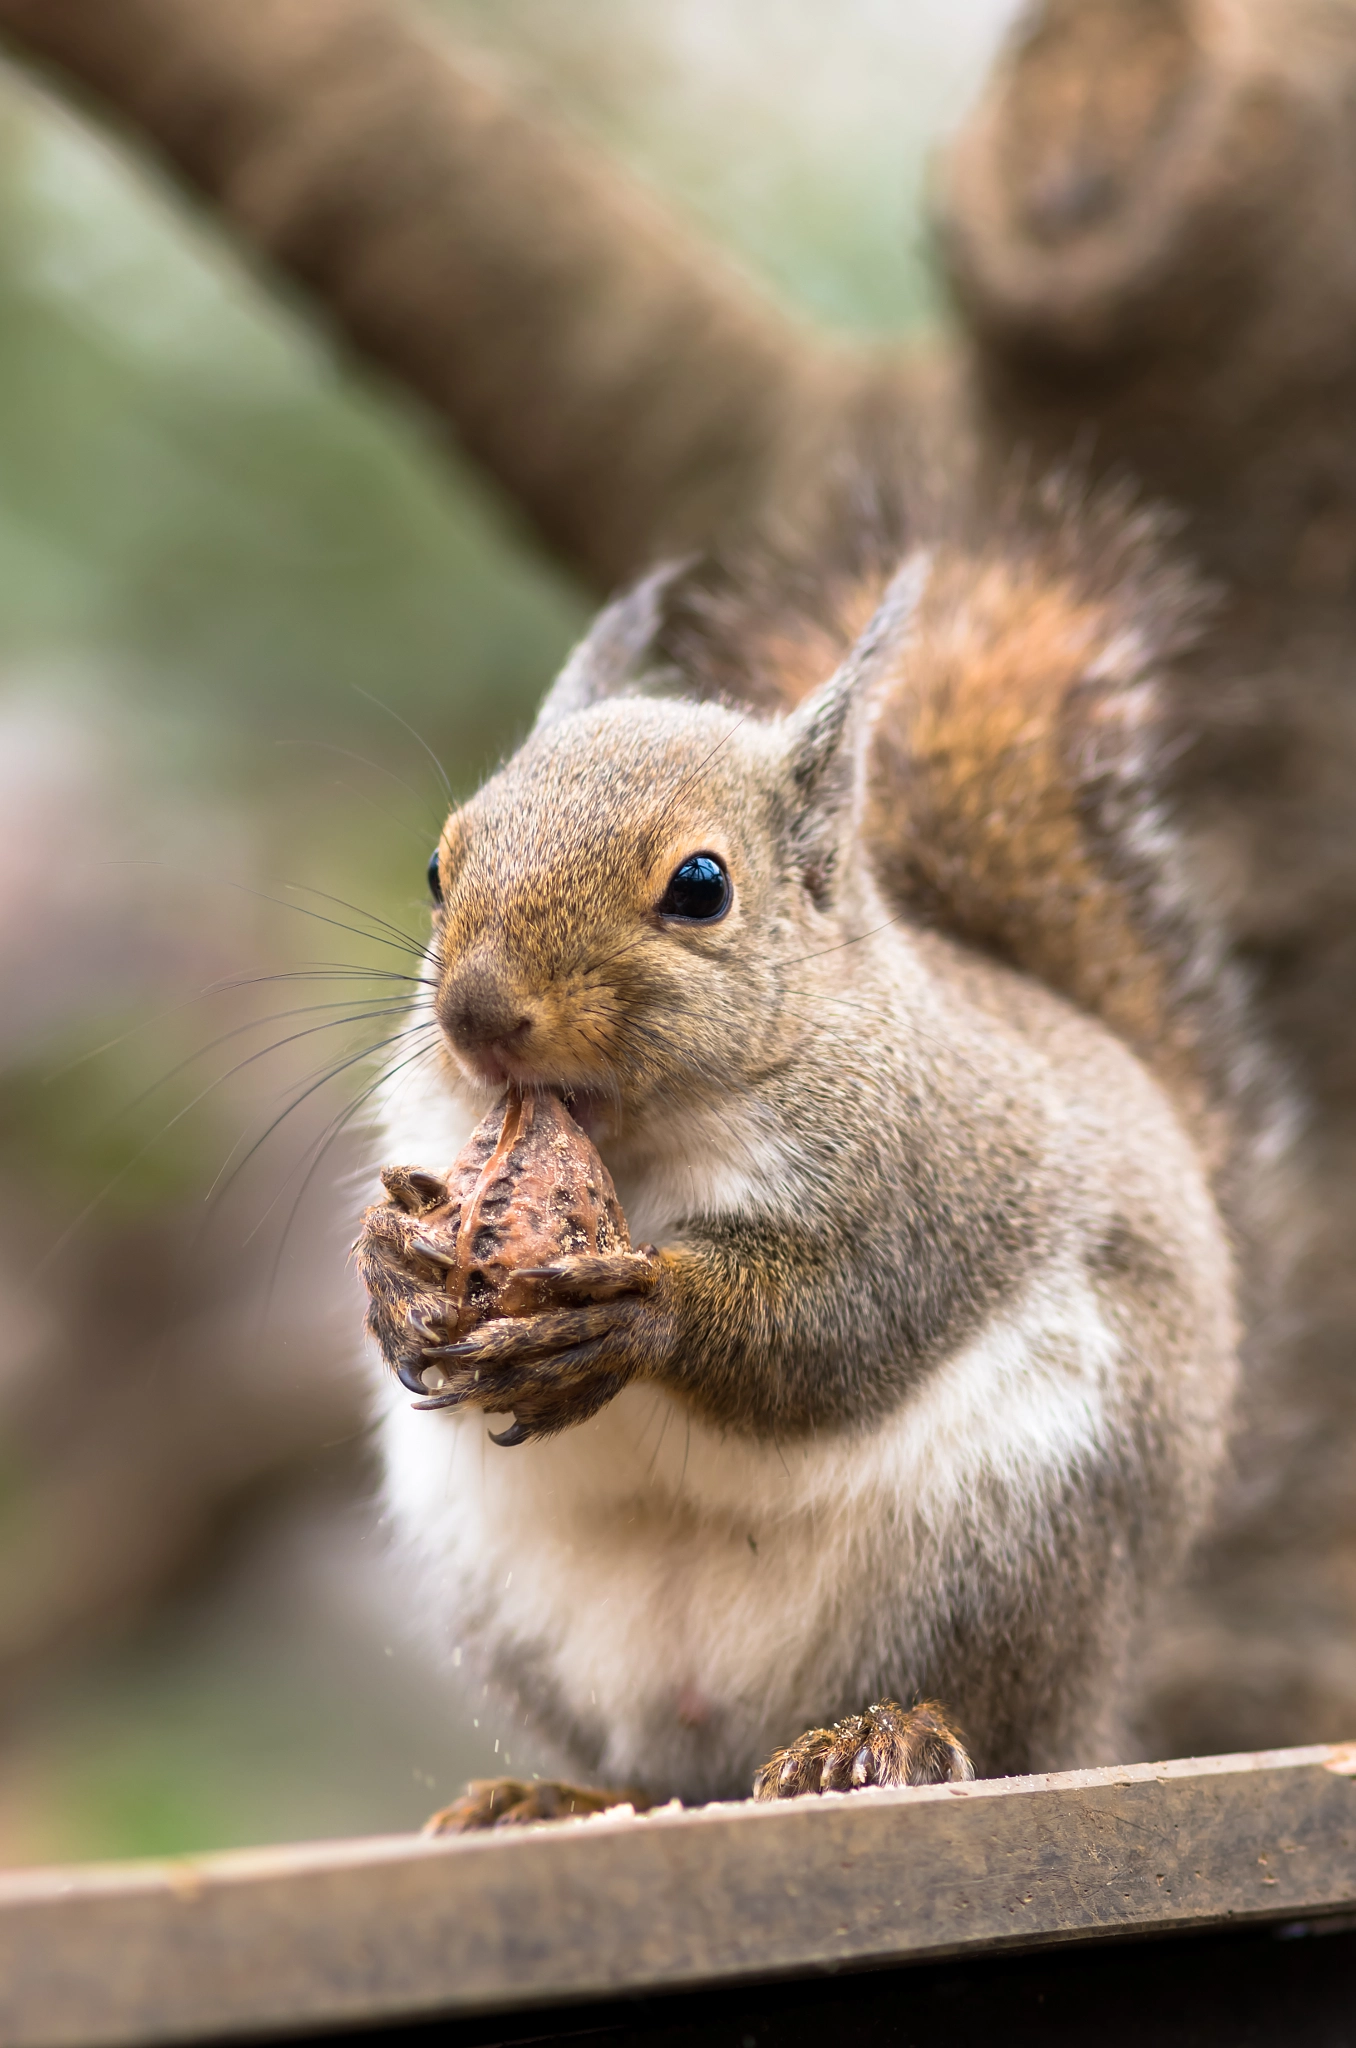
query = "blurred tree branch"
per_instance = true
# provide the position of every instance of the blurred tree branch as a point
(1145, 222)
(623, 383)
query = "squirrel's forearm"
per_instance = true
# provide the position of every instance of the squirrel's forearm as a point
(767, 1327)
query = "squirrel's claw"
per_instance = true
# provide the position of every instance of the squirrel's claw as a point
(572, 1334)
(527, 1363)
(437, 1254)
(413, 1190)
(404, 1312)
(571, 1389)
(551, 1370)
(509, 1439)
(426, 1322)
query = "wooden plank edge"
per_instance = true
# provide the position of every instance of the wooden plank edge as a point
(311, 1935)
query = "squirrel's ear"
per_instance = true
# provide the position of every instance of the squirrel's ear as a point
(829, 732)
(611, 656)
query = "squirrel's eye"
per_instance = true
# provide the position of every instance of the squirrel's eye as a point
(435, 880)
(699, 890)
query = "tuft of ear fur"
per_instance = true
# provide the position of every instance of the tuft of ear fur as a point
(829, 734)
(613, 656)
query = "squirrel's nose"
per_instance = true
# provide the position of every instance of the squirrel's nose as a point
(480, 1014)
(479, 1034)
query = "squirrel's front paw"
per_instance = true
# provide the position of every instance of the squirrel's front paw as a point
(403, 1272)
(887, 1745)
(598, 1321)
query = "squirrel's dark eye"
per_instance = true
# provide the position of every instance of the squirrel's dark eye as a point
(435, 880)
(699, 890)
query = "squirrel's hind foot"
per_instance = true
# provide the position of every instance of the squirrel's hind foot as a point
(887, 1745)
(513, 1802)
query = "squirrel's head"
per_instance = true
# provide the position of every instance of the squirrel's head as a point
(625, 910)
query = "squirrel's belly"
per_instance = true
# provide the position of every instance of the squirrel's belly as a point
(668, 1602)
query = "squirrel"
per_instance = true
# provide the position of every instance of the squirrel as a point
(844, 907)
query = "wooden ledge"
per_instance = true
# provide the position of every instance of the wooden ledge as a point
(344, 1933)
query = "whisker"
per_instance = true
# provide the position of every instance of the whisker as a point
(144, 1024)
(310, 1031)
(418, 738)
(91, 1208)
(363, 1016)
(322, 970)
(406, 945)
(844, 943)
(301, 909)
(329, 1136)
(384, 923)
(687, 781)
(332, 1131)
(596, 966)
(326, 1070)
(659, 1440)
(60, 1243)
(388, 817)
(329, 747)
(217, 988)
(331, 1074)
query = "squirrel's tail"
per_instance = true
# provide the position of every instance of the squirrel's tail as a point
(1021, 794)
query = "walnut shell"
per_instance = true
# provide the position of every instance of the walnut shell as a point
(528, 1187)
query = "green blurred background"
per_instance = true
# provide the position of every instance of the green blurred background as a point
(245, 595)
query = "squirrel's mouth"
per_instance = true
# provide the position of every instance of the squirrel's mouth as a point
(594, 1111)
(497, 1068)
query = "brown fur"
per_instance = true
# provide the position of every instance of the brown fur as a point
(976, 798)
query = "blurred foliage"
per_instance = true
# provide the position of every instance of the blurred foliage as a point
(98, 1128)
(256, 1710)
(195, 495)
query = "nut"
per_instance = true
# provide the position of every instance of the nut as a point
(528, 1187)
